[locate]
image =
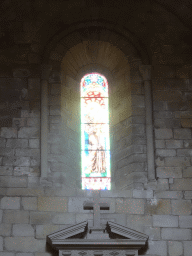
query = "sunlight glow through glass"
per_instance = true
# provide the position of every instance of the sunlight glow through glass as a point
(95, 145)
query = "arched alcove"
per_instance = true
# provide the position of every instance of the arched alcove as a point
(126, 107)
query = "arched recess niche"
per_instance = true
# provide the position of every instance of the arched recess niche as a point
(126, 104)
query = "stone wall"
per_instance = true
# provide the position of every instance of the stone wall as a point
(160, 209)
(128, 140)
(31, 209)
(63, 141)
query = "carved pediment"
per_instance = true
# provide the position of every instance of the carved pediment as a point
(114, 230)
(111, 239)
(77, 237)
(127, 233)
(78, 229)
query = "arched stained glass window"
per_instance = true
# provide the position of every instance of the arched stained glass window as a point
(95, 146)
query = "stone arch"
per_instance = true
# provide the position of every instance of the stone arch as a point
(71, 59)
(122, 38)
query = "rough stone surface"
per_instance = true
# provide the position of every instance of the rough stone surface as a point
(55, 111)
(157, 248)
(117, 193)
(20, 171)
(24, 254)
(177, 161)
(43, 254)
(79, 217)
(169, 194)
(29, 203)
(8, 254)
(130, 206)
(165, 152)
(13, 182)
(40, 217)
(5, 229)
(17, 143)
(184, 152)
(55, 89)
(24, 244)
(55, 204)
(1, 215)
(8, 133)
(34, 143)
(7, 152)
(16, 161)
(27, 152)
(153, 233)
(64, 218)
(169, 172)
(187, 172)
(139, 222)
(15, 216)
(182, 133)
(23, 230)
(159, 144)
(165, 221)
(175, 248)
(163, 134)
(174, 143)
(26, 113)
(142, 193)
(187, 248)
(10, 203)
(76, 204)
(181, 207)
(33, 122)
(43, 230)
(1, 243)
(6, 170)
(182, 184)
(60, 191)
(25, 192)
(28, 132)
(161, 184)
(185, 221)
(158, 206)
(175, 234)
(188, 195)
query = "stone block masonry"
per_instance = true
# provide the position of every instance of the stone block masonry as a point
(24, 244)
(29, 203)
(181, 207)
(161, 208)
(55, 204)
(16, 216)
(165, 221)
(139, 221)
(16, 182)
(8, 133)
(130, 206)
(158, 207)
(23, 230)
(185, 221)
(175, 248)
(175, 234)
(38, 216)
(10, 203)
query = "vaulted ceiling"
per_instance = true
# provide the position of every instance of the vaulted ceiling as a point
(161, 28)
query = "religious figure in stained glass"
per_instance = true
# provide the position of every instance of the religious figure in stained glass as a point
(95, 132)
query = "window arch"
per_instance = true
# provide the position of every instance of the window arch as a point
(95, 144)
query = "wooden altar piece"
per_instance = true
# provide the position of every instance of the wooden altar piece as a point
(84, 240)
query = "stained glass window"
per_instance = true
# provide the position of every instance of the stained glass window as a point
(95, 146)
